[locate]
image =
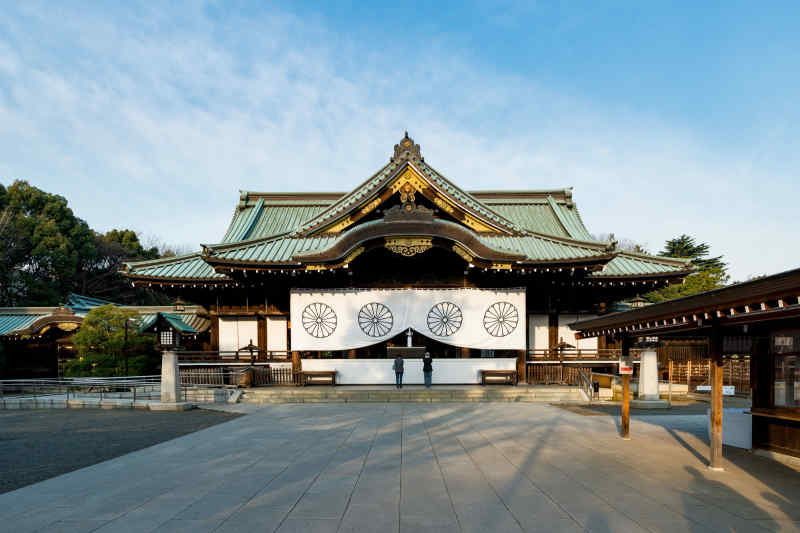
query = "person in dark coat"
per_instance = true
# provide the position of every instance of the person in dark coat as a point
(427, 368)
(398, 371)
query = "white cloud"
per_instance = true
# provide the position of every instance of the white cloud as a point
(158, 130)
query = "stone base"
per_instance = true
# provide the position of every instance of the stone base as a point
(178, 406)
(650, 404)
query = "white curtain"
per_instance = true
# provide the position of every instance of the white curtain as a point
(276, 333)
(343, 319)
(235, 333)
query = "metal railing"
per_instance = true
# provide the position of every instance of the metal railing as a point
(585, 383)
(126, 387)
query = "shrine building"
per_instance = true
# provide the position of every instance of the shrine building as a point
(343, 280)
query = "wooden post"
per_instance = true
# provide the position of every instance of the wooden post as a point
(351, 354)
(689, 374)
(521, 370)
(625, 423)
(464, 353)
(669, 378)
(715, 461)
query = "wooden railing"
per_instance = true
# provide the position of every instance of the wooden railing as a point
(567, 354)
(244, 355)
(553, 375)
(228, 376)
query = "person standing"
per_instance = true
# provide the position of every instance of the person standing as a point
(398, 371)
(427, 368)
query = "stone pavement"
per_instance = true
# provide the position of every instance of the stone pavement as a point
(418, 467)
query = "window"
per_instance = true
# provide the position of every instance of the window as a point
(166, 337)
(786, 348)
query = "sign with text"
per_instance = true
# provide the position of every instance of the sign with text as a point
(625, 365)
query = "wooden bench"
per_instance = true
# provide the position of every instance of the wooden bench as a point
(310, 377)
(506, 376)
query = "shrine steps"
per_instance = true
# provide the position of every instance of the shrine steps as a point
(317, 394)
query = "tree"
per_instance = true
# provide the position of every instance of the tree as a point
(686, 247)
(704, 280)
(46, 252)
(102, 343)
(44, 246)
(629, 245)
(102, 278)
(711, 271)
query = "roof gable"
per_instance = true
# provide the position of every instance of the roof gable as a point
(407, 175)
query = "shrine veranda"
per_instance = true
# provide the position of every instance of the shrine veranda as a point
(336, 280)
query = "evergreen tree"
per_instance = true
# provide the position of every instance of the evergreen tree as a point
(711, 271)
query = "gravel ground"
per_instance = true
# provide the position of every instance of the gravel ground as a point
(40, 444)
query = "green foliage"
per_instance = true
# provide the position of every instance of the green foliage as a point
(686, 247)
(102, 365)
(103, 330)
(711, 271)
(102, 343)
(46, 252)
(704, 280)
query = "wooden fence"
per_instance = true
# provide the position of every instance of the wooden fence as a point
(735, 372)
(233, 376)
(553, 374)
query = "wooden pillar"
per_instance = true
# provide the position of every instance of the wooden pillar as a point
(522, 376)
(689, 374)
(669, 378)
(351, 354)
(625, 422)
(715, 460)
(296, 361)
(464, 353)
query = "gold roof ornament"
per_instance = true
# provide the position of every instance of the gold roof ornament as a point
(409, 246)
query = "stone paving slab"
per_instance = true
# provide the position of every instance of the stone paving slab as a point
(419, 467)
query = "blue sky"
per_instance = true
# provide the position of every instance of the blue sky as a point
(666, 119)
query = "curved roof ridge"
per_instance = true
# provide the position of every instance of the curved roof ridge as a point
(162, 260)
(658, 258)
(489, 213)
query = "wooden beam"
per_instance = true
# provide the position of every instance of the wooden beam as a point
(715, 459)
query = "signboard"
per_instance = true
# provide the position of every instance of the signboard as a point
(625, 366)
(727, 390)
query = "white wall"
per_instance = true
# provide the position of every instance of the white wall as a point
(236, 332)
(564, 332)
(276, 333)
(537, 332)
(379, 371)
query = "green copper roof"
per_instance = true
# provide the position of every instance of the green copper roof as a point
(271, 228)
(260, 220)
(281, 249)
(541, 249)
(174, 319)
(13, 321)
(83, 304)
(188, 267)
(629, 264)
(275, 249)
